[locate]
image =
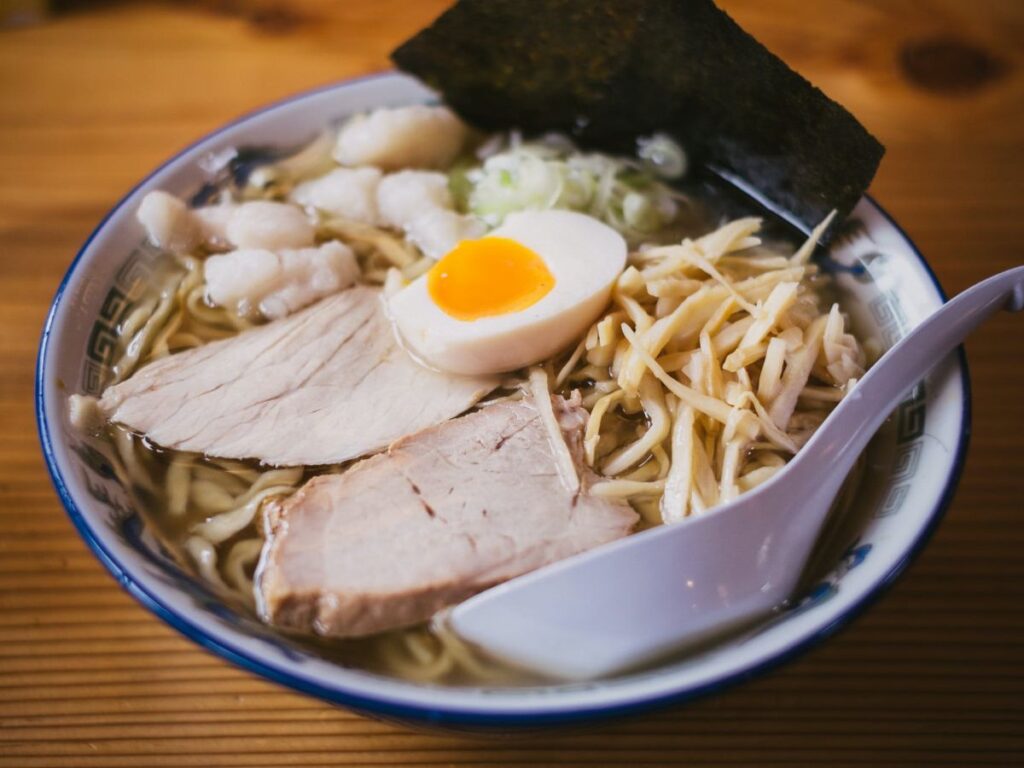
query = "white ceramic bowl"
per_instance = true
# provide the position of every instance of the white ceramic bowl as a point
(913, 468)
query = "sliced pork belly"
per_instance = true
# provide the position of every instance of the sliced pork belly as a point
(326, 384)
(441, 515)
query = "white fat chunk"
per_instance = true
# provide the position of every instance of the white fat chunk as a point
(437, 232)
(212, 221)
(271, 226)
(406, 137)
(405, 196)
(420, 204)
(84, 413)
(278, 283)
(347, 192)
(168, 222)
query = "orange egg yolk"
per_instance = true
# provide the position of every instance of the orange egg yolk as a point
(487, 277)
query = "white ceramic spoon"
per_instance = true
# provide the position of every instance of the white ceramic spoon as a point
(632, 601)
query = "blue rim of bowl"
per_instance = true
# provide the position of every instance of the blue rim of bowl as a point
(453, 716)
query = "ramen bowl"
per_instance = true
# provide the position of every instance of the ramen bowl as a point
(909, 472)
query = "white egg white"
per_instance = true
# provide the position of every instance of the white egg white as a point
(584, 256)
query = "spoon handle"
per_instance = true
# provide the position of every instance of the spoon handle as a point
(851, 425)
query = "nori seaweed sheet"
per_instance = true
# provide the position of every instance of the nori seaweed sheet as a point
(608, 71)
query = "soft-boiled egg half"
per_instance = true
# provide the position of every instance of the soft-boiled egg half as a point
(512, 298)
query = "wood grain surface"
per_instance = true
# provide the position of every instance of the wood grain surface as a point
(933, 674)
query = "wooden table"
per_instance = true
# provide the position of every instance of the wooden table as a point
(933, 674)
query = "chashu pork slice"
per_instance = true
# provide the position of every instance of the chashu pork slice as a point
(440, 516)
(326, 384)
